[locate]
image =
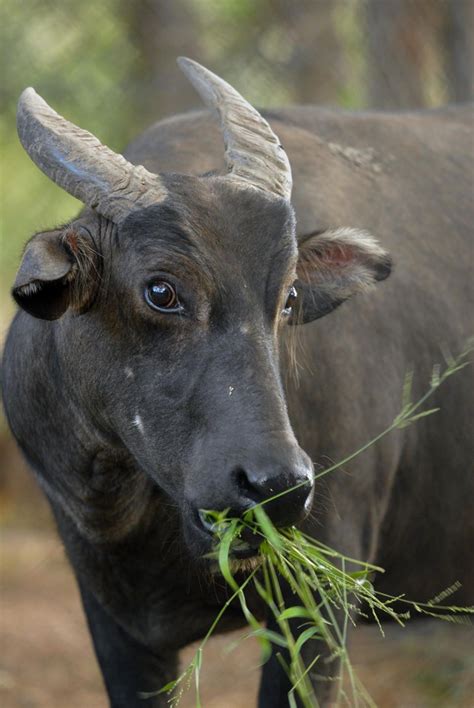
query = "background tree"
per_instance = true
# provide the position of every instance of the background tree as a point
(159, 31)
(457, 43)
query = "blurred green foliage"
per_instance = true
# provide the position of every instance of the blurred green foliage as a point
(110, 67)
(76, 55)
(82, 57)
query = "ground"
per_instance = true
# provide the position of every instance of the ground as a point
(47, 659)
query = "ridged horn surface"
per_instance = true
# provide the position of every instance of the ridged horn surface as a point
(78, 162)
(253, 152)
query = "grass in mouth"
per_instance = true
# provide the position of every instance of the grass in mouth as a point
(325, 585)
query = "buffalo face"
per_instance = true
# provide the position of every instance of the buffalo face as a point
(167, 298)
(196, 302)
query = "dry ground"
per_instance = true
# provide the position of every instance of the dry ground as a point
(47, 662)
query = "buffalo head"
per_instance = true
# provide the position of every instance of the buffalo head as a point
(166, 298)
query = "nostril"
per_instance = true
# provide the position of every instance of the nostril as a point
(259, 486)
(241, 478)
(244, 485)
(287, 490)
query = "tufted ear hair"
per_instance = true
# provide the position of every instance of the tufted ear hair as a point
(59, 269)
(333, 266)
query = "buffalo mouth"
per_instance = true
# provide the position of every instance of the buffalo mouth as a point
(204, 529)
(245, 545)
(244, 553)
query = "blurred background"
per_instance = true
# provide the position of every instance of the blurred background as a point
(110, 67)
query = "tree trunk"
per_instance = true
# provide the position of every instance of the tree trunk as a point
(459, 43)
(398, 32)
(161, 30)
(315, 64)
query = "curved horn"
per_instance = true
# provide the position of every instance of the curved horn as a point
(78, 162)
(253, 152)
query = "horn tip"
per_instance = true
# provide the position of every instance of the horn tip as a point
(27, 94)
(28, 98)
(204, 81)
(189, 67)
(182, 61)
(185, 63)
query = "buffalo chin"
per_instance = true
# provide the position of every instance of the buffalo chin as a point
(239, 565)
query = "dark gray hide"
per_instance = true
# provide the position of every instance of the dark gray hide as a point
(133, 419)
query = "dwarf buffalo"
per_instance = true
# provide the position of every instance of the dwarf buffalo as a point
(147, 374)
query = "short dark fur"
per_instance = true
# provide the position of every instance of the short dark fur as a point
(133, 420)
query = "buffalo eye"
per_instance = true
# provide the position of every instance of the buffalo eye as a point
(162, 296)
(290, 301)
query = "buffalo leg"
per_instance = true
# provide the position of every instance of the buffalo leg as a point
(129, 669)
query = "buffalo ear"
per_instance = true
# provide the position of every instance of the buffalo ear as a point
(333, 266)
(59, 270)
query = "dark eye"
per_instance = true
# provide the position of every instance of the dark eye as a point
(290, 301)
(162, 296)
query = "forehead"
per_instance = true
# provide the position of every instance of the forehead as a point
(217, 225)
